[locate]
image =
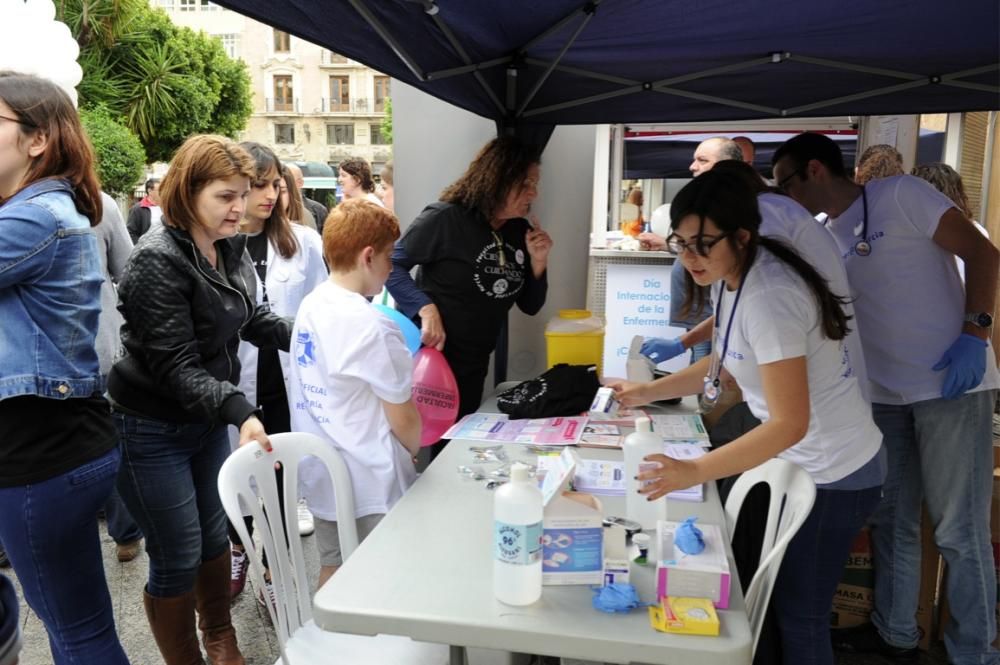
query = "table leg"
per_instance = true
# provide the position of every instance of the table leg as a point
(456, 655)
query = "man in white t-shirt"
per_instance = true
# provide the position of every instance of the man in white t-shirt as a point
(351, 378)
(933, 383)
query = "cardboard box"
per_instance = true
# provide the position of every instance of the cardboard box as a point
(853, 599)
(572, 529)
(704, 575)
(685, 616)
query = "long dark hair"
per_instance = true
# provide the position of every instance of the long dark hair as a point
(501, 165)
(729, 201)
(41, 106)
(277, 228)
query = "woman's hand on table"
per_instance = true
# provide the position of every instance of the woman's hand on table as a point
(629, 393)
(672, 475)
(431, 327)
(253, 430)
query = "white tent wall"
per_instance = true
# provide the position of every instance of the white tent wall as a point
(433, 142)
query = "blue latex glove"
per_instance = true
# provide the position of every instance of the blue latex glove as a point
(688, 538)
(965, 360)
(660, 350)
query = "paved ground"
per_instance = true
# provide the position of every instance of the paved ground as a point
(256, 637)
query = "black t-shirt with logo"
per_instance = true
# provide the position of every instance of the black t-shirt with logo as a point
(474, 274)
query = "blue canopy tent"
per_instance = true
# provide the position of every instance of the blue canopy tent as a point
(532, 64)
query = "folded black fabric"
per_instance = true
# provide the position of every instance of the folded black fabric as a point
(564, 390)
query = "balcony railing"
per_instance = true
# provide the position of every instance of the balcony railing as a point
(272, 105)
(328, 106)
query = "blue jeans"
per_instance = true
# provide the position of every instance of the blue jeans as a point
(169, 482)
(49, 530)
(121, 527)
(940, 451)
(811, 569)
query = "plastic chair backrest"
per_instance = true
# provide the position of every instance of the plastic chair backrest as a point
(793, 493)
(292, 592)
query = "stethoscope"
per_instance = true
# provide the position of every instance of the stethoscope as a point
(862, 247)
(712, 390)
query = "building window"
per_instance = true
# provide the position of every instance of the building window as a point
(331, 58)
(207, 6)
(284, 100)
(230, 44)
(381, 92)
(282, 42)
(340, 93)
(376, 132)
(340, 134)
(166, 4)
(188, 5)
(284, 133)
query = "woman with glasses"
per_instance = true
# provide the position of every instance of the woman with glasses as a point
(58, 446)
(478, 256)
(779, 332)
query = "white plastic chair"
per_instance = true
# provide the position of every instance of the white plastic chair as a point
(793, 493)
(300, 640)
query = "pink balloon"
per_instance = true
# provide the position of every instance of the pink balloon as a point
(435, 392)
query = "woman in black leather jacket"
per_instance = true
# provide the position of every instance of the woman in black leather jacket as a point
(187, 297)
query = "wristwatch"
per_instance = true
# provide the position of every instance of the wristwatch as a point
(980, 319)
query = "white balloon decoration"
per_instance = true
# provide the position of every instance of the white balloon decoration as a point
(33, 42)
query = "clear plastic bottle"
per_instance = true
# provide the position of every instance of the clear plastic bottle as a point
(517, 532)
(637, 445)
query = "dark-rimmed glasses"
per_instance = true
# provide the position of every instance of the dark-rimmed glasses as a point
(701, 245)
(781, 184)
(26, 123)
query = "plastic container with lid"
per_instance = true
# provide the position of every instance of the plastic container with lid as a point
(575, 337)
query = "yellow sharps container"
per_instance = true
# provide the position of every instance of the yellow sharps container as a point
(575, 337)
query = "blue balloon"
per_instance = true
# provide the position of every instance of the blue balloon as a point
(411, 334)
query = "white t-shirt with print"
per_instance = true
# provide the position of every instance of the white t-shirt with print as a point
(346, 358)
(783, 218)
(910, 300)
(778, 318)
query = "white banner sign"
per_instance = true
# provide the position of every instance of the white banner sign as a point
(637, 303)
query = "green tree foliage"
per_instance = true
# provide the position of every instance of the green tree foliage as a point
(386, 127)
(165, 82)
(120, 157)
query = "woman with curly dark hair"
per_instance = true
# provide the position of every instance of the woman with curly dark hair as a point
(878, 161)
(356, 181)
(478, 256)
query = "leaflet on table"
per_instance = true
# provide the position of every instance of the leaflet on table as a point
(601, 435)
(680, 427)
(623, 417)
(608, 477)
(563, 431)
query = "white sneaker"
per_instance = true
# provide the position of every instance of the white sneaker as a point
(306, 524)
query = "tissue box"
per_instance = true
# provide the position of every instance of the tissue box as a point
(616, 563)
(572, 528)
(685, 616)
(604, 401)
(704, 575)
(572, 540)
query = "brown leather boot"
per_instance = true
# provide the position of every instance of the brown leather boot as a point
(172, 622)
(211, 592)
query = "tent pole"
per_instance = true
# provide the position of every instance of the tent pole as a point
(391, 41)
(439, 74)
(450, 36)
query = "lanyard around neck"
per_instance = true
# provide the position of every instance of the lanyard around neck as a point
(729, 326)
(862, 247)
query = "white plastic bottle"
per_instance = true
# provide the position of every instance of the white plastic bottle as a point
(517, 532)
(639, 444)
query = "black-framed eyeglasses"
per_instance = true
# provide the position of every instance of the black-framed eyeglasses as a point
(701, 245)
(781, 184)
(19, 121)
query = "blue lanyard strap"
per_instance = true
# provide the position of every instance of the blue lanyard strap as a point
(729, 323)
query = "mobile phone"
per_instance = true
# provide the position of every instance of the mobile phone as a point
(631, 527)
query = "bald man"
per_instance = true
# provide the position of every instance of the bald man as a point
(711, 151)
(317, 209)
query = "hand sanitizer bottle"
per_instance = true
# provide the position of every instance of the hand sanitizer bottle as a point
(517, 532)
(639, 444)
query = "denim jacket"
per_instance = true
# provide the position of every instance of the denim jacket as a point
(50, 289)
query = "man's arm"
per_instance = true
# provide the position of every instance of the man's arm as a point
(958, 235)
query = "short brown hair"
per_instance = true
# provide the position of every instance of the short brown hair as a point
(201, 160)
(354, 225)
(39, 105)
